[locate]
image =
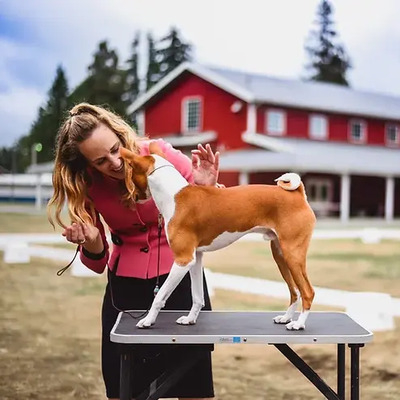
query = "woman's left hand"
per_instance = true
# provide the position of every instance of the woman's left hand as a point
(205, 165)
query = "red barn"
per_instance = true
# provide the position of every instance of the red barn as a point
(344, 143)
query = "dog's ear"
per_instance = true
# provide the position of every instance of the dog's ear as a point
(127, 154)
(137, 162)
(154, 148)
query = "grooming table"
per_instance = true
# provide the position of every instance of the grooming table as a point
(234, 327)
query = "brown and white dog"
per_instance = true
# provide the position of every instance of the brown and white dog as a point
(205, 218)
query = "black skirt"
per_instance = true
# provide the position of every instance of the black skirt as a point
(149, 361)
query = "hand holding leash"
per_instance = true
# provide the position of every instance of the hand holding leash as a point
(205, 165)
(80, 233)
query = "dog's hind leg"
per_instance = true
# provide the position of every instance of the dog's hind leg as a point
(295, 257)
(287, 276)
(196, 276)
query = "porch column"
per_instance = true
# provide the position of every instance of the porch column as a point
(243, 178)
(38, 192)
(345, 198)
(140, 120)
(251, 118)
(389, 199)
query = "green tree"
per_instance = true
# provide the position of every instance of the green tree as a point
(153, 74)
(44, 129)
(6, 160)
(173, 52)
(328, 59)
(132, 76)
(106, 83)
(164, 55)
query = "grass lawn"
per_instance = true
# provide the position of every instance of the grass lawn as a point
(50, 345)
(50, 326)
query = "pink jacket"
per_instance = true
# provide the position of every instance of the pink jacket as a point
(136, 227)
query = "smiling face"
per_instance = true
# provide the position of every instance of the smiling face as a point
(102, 150)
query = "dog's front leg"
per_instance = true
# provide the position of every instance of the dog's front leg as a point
(174, 278)
(196, 277)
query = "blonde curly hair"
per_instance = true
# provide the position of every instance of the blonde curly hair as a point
(70, 177)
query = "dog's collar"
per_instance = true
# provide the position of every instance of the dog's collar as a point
(161, 166)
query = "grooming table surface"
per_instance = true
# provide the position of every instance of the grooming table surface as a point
(240, 327)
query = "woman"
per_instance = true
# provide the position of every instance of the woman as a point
(89, 174)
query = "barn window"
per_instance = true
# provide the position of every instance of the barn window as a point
(358, 131)
(275, 122)
(392, 135)
(318, 127)
(192, 115)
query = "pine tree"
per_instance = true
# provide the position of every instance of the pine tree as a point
(106, 83)
(153, 64)
(329, 61)
(164, 55)
(58, 96)
(132, 76)
(45, 127)
(6, 160)
(173, 52)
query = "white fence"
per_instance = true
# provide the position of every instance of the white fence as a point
(375, 311)
(26, 187)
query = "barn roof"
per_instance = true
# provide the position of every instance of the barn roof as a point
(257, 88)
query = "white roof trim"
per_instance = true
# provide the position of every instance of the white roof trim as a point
(266, 142)
(192, 139)
(206, 74)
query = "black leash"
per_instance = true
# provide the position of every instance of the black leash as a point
(156, 288)
(160, 225)
(62, 270)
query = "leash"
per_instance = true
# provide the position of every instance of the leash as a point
(156, 288)
(159, 222)
(161, 166)
(62, 270)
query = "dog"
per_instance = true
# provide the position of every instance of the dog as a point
(198, 219)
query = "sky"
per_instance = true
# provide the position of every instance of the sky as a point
(260, 36)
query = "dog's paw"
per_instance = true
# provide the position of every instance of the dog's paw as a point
(145, 323)
(295, 326)
(282, 319)
(185, 320)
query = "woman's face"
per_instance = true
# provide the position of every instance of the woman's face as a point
(101, 150)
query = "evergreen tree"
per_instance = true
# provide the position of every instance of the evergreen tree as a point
(165, 55)
(132, 77)
(52, 117)
(329, 61)
(6, 160)
(174, 52)
(153, 64)
(44, 129)
(58, 97)
(106, 83)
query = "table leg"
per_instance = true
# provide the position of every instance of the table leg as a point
(341, 370)
(355, 371)
(307, 371)
(125, 386)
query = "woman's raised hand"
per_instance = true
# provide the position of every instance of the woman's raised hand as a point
(205, 165)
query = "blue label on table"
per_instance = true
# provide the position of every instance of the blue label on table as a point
(229, 339)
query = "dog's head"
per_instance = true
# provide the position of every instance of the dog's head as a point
(137, 169)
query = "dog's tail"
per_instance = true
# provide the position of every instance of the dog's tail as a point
(289, 181)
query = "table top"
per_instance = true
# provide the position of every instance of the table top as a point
(250, 327)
